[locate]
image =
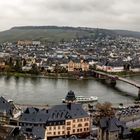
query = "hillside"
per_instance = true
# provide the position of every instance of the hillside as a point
(54, 33)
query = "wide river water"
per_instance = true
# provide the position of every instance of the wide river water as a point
(41, 91)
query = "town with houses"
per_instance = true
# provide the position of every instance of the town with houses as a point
(64, 121)
(69, 120)
(78, 55)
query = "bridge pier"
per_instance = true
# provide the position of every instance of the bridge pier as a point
(113, 82)
(96, 75)
(138, 93)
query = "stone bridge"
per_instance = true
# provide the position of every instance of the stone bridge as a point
(114, 78)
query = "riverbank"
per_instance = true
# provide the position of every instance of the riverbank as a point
(49, 76)
(126, 73)
(65, 75)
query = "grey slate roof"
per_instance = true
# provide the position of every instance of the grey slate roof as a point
(109, 124)
(37, 132)
(34, 115)
(6, 107)
(66, 111)
(56, 113)
(113, 124)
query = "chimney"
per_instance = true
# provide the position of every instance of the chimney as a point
(69, 106)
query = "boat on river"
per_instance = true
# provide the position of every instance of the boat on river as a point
(83, 99)
(80, 99)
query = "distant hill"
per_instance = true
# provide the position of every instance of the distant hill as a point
(128, 33)
(55, 33)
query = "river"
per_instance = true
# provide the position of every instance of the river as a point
(41, 91)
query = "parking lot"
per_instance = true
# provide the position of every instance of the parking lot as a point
(130, 113)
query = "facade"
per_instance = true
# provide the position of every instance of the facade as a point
(9, 132)
(78, 65)
(25, 42)
(66, 120)
(28, 42)
(113, 69)
(4, 118)
(36, 42)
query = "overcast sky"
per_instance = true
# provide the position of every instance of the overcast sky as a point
(114, 14)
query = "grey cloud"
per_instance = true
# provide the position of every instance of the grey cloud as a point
(78, 6)
(123, 14)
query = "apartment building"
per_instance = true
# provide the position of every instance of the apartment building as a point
(61, 120)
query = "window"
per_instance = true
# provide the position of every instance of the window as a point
(79, 125)
(74, 125)
(35, 124)
(73, 120)
(28, 129)
(77, 130)
(68, 123)
(58, 127)
(68, 128)
(73, 130)
(49, 133)
(58, 132)
(81, 130)
(87, 119)
(54, 133)
(68, 133)
(86, 124)
(54, 127)
(63, 132)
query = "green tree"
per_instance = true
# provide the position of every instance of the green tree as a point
(34, 69)
(105, 109)
(18, 66)
(10, 62)
(24, 62)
